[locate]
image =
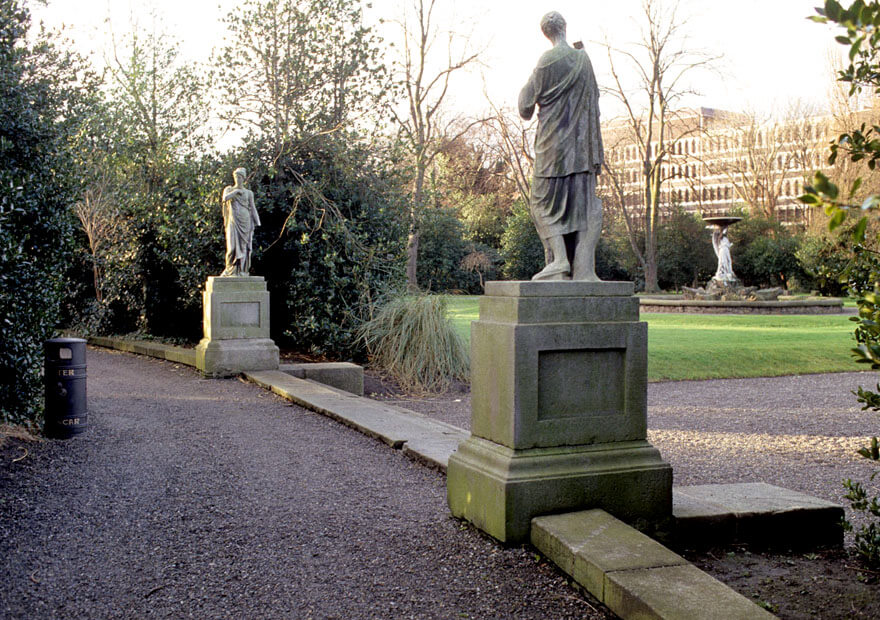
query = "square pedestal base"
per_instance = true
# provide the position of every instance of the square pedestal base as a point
(500, 490)
(225, 358)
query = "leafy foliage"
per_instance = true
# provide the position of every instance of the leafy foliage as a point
(40, 110)
(861, 21)
(447, 261)
(411, 338)
(764, 252)
(521, 247)
(684, 255)
(331, 240)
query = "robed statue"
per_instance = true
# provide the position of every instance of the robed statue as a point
(239, 219)
(568, 156)
(721, 244)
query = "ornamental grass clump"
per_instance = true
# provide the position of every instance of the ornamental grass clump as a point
(410, 338)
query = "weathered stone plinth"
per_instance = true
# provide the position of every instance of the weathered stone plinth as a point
(559, 410)
(236, 325)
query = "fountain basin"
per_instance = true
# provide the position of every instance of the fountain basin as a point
(675, 303)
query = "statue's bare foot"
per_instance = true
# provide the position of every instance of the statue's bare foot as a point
(557, 270)
(586, 277)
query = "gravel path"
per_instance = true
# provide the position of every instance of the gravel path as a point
(799, 432)
(196, 498)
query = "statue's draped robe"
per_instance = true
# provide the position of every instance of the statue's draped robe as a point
(239, 218)
(722, 244)
(568, 143)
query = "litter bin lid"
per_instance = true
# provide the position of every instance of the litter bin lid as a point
(66, 351)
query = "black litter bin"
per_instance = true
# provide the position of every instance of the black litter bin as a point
(65, 377)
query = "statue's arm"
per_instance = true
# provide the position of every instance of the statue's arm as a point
(253, 207)
(224, 204)
(228, 191)
(528, 98)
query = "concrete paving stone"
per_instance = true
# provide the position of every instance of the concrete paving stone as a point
(590, 543)
(389, 424)
(181, 355)
(342, 375)
(434, 450)
(676, 593)
(763, 514)
(699, 522)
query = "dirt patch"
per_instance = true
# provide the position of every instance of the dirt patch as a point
(19, 434)
(822, 584)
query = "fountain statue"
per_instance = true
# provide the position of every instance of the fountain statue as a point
(724, 285)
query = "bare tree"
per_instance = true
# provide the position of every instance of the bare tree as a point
(662, 60)
(162, 102)
(760, 158)
(101, 222)
(299, 68)
(422, 127)
(618, 193)
(511, 139)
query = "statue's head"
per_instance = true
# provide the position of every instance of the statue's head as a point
(239, 173)
(553, 25)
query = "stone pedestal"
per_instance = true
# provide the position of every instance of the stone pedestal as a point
(559, 410)
(236, 327)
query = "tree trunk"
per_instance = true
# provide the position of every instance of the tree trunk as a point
(97, 275)
(651, 273)
(412, 258)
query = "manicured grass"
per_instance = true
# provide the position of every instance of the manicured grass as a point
(688, 346)
(461, 310)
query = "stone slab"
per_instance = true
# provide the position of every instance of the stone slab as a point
(392, 425)
(222, 284)
(676, 593)
(529, 310)
(341, 375)
(434, 449)
(569, 288)
(227, 358)
(755, 513)
(589, 544)
(500, 490)
(632, 574)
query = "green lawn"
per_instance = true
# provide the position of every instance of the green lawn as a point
(687, 346)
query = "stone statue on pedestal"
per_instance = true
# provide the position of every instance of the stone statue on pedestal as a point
(239, 219)
(568, 156)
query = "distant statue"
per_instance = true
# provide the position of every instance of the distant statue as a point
(239, 219)
(722, 244)
(568, 156)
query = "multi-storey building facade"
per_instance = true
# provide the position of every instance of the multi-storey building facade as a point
(714, 161)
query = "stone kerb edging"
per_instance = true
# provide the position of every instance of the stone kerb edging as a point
(632, 574)
(181, 355)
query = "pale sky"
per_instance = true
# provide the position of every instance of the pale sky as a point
(771, 52)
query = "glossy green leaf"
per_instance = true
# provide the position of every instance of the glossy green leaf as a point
(858, 233)
(855, 187)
